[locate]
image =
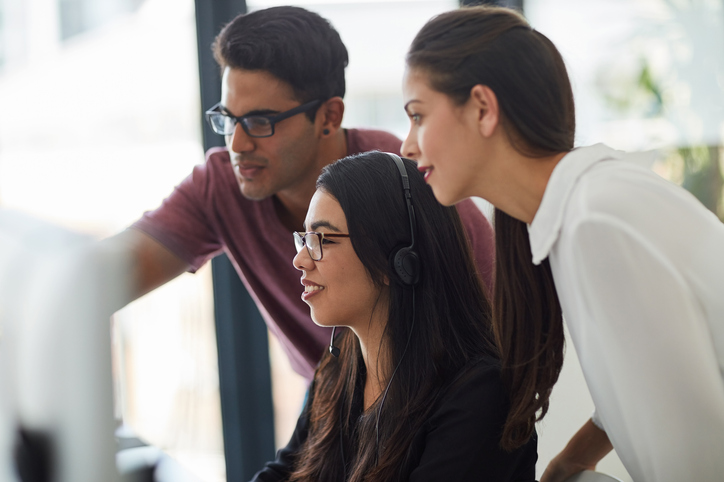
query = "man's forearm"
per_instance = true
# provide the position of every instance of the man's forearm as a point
(150, 263)
(585, 449)
(588, 446)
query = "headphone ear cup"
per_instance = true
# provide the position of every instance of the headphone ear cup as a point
(406, 264)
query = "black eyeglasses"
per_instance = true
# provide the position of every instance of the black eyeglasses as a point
(313, 241)
(222, 122)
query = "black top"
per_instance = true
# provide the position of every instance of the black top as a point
(459, 441)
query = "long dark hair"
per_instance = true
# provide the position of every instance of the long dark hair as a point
(496, 47)
(452, 324)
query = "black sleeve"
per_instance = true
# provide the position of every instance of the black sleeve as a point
(282, 466)
(461, 439)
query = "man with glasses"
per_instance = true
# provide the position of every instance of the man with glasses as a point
(281, 111)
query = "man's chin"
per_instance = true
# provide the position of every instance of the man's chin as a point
(254, 193)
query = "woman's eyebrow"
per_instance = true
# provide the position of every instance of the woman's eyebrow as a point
(324, 224)
(413, 101)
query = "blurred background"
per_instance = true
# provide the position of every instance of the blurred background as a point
(100, 117)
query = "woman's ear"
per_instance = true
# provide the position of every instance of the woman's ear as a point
(329, 116)
(485, 103)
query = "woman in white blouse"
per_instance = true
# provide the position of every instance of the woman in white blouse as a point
(634, 262)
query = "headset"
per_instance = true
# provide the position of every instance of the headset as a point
(405, 261)
(406, 264)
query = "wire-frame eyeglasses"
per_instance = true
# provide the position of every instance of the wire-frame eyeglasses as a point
(314, 241)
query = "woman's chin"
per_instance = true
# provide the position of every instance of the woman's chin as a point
(322, 321)
(445, 196)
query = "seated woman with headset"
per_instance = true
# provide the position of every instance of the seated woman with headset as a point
(412, 389)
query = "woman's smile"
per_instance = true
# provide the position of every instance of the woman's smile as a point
(310, 289)
(426, 170)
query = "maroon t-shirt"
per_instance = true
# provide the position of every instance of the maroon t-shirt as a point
(207, 214)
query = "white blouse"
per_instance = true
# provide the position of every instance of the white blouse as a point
(638, 264)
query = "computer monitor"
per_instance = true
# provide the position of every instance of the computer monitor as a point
(57, 293)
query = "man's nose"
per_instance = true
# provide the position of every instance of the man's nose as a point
(239, 141)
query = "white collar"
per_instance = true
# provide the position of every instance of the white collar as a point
(546, 225)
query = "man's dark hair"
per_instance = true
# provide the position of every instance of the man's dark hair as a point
(293, 44)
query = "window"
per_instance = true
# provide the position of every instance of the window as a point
(100, 120)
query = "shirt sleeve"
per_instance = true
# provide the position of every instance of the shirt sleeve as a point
(462, 440)
(183, 222)
(656, 379)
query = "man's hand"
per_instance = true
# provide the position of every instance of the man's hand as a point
(587, 447)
